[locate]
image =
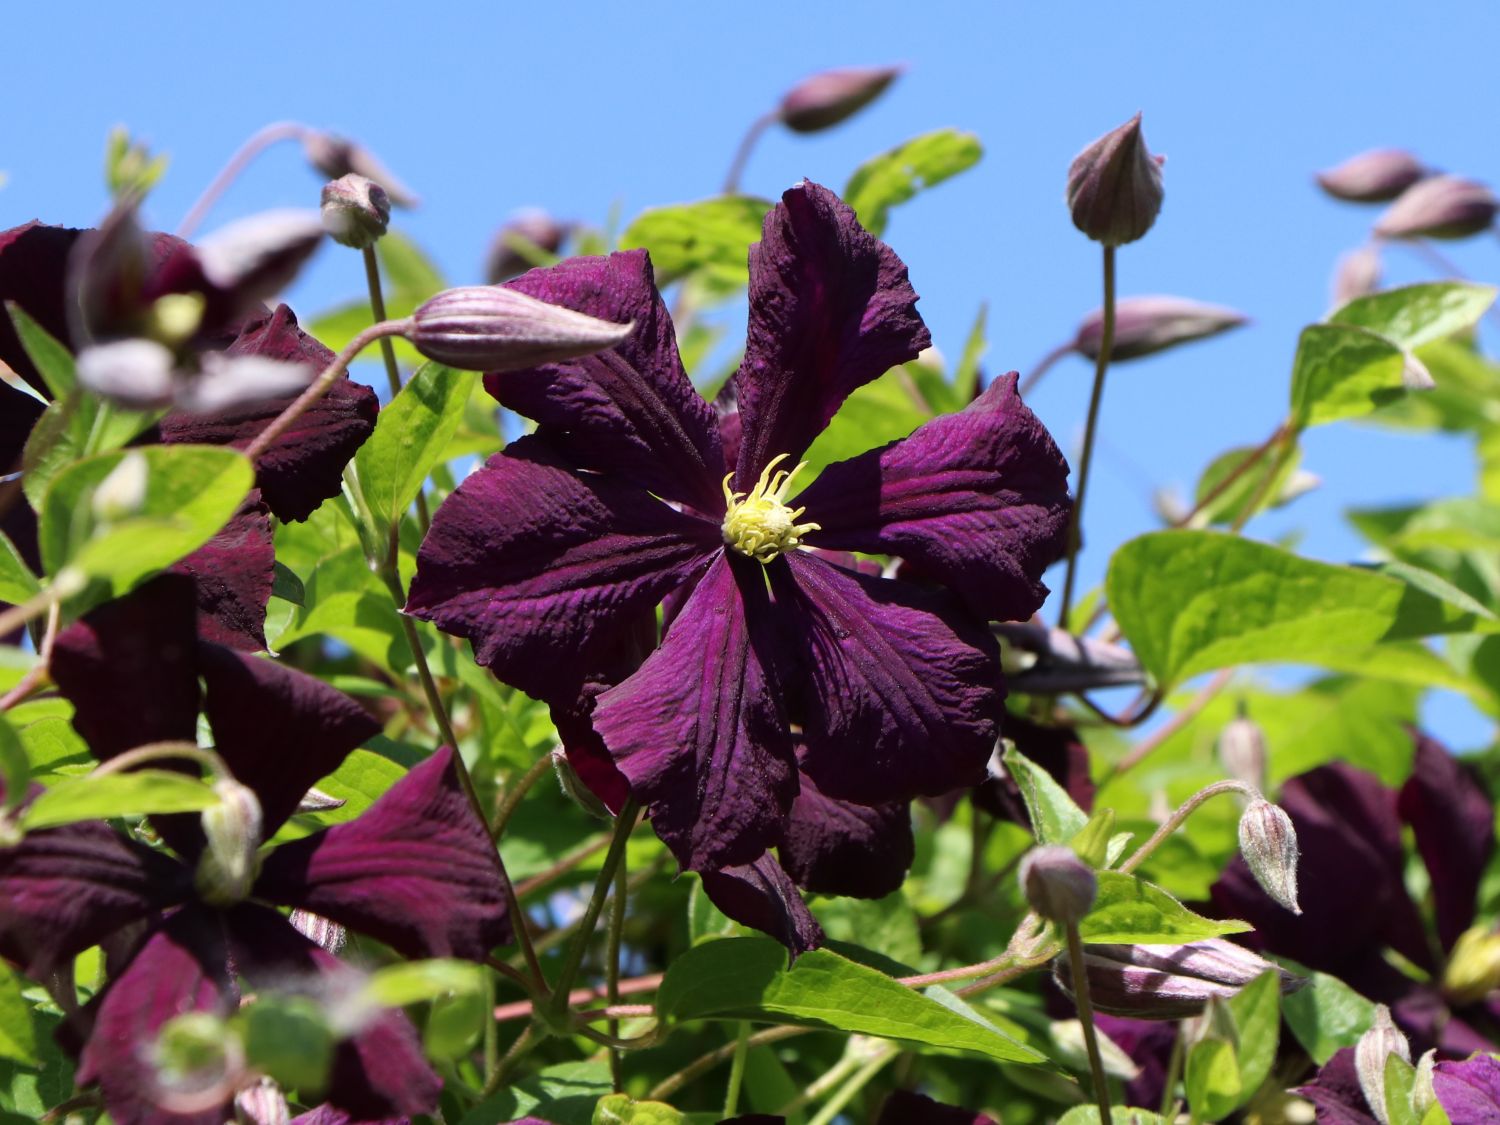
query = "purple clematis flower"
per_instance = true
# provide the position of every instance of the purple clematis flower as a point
(562, 544)
(416, 871)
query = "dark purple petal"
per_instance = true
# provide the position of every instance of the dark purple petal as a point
(1423, 1013)
(378, 1073)
(328, 1115)
(33, 274)
(1149, 1044)
(1336, 1094)
(417, 870)
(232, 575)
(1469, 1090)
(840, 848)
(698, 731)
(976, 500)
(903, 691)
(65, 889)
(905, 1107)
(1058, 750)
(830, 309)
(278, 729)
(588, 757)
(543, 568)
(180, 969)
(305, 465)
(762, 896)
(1454, 824)
(630, 411)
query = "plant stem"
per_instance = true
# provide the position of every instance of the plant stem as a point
(156, 751)
(1174, 822)
(612, 968)
(1148, 745)
(737, 1069)
(704, 1063)
(742, 154)
(523, 1008)
(856, 1082)
(377, 310)
(1044, 365)
(491, 1033)
(1234, 474)
(1096, 397)
(624, 824)
(525, 1042)
(39, 674)
(1086, 1017)
(539, 768)
(257, 143)
(562, 866)
(1285, 440)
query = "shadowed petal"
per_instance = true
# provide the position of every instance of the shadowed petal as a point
(417, 870)
(976, 500)
(905, 1107)
(762, 896)
(1058, 750)
(232, 574)
(1149, 1044)
(830, 309)
(903, 691)
(840, 848)
(33, 274)
(630, 411)
(698, 732)
(542, 568)
(1454, 824)
(1336, 1093)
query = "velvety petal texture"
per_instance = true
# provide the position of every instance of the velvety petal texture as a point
(545, 592)
(839, 848)
(976, 500)
(762, 896)
(630, 411)
(830, 309)
(417, 870)
(1469, 1090)
(1058, 750)
(232, 576)
(698, 732)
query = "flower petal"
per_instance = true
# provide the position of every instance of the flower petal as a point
(631, 410)
(906, 1107)
(1454, 824)
(762, 896)
(417, 871)
(1469, 1090)
(1336, 1092)
(697, 731)
(903, 694)
(33, 274)
(976, 500)
(305, 465)
(830, 309)
(232, 574)
(1058, 750)
(543, 568)
(840, 848)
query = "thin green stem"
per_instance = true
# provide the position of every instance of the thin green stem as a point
(564, 865)
(1096, 398)
(491, 1032)
(855, 1083)
(737, 1069)
(1250, 461)
(1187, 808)
(377, 309)
(538, 770)
(704, 1063)
(1148, 745)
(525, 1043)
(157, 751)
(1174, 1072)
(612, 967)
(1285, 440)
(624, 824)
(1086, 1017)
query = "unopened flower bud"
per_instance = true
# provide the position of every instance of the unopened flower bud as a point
(1242, 751)
(262, 1103)
(516, 244)
(1356, 275)
(1440, 207)
(1058, 885)
(356, 211)
(336, 156)
(121, 494)
(1146, 325)
(491, 328)
(826, 99)
(1423, 1092)
(227, 869)
(256, 257)
(1269, 844)
(573, 786)
(1114, 186)
(195, 1063)
(1473, 969)
(1379, 1043)
(1167, 982)
(1376, 176)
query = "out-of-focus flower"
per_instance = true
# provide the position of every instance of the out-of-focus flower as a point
(334, 157)
(1440, 207)
(1242, 750)
(1114, 186)
(832, 96)
(356, 211)
(516, 243)
(906, 1107)
(1356, 275)
(1147, 325)
(1377, 176)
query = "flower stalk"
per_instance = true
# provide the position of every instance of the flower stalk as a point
(1086, 1017)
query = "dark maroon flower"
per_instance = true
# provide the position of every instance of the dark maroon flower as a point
(906, 1107)
(762, 895)
(1336, 1094)
(544, 566)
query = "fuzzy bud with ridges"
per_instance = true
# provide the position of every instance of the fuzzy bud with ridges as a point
(1059, 886)
(824, 100)
(227, 869)
(1114, 186)
(1379, 1043)
(356, 211)
(1147, 325)
(1440, 207)
(1377, 176)
(1167, 982)
(1268, 841)
(491, 328)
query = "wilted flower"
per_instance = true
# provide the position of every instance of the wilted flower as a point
(1167, 982)
(1114, 186)
(1440, 207)
(1376, 176)
(1059, 886)
(826, 99)
(493, 328)
(335, 157)
(1269, 844)
(1147, 325)
(516, 241)
(356, 211)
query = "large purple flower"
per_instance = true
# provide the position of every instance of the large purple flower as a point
(562, 544)
(416, 871)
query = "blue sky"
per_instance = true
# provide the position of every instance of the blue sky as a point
(584, 108)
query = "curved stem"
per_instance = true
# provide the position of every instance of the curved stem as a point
(624, 824)
(1086, 1017)
(377, 309)
(523, 1046)
(1174, 822)
(257, 143)
(1234, 474)
(612, 967)
(39, 674)
(1148, 745)
(156, 751)
(1044, 365)
(742, 154)
(1096, 398)
(522, 1009)
(538, 768)
(853, 1085)
(1285, 440)
(67, 583)
(562, 866)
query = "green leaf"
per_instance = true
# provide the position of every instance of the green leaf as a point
(1130, 911)
(879, 412)
(288, 1037)
(100, 796)
(887, 926)
(709, 239)
(1230, 504)
(1118, 1115)
(1399, 1078)
(410, 436)
(409, 279)
(966, 374)
(1194, 601)
(564, 1094)
(1325, 1015)
(1092, 843)
(1257, 1017)
(53, 361)
(895, 177)
(1414, 315)
(191, 491)
(1343, 372)
(17, 583)
(412, 982)
(15, 769)
(747, 978)
(1212, 1079)
(17, 1031)
(52, 745)
(408, 272)
(622, 1109)
(1055, 818)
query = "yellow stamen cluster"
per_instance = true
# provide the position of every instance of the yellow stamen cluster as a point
(759, 523)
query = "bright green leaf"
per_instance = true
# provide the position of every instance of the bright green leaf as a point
(15, 769)
(51, 359)
(1343, 372)
(896, 176)
(1093, 839)
(18, 1039)
(1212, 1078)
(408, 271)
(1257, 1017)
(1325, 1015)
(412, 982)
(1118, 1115)
(879, 412)
(709, 239)
(1399, 1078)
(622, 1109)
(1130, 911)
(966, 374)
(1055, 817)
(17, 583)
(887, 926)
(1414, 315)
(564, 1094)
(100, 796)
(1230, 504)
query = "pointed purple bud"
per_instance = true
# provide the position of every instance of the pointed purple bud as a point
(1146, 325)
(1114, 186)
(825, 99)
(1356, 275)
(1269, 844)
(336, 156)
(1377, 176)
(356, 211)
(1379, 1043)
(1242, 750)
(257, 257)
(491, 328)
(1440, 207)
(1167, 982)
(530, 239)
(1059, 886)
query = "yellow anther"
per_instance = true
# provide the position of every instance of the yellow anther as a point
(759, 523)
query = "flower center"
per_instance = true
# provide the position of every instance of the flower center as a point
(759, 523)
